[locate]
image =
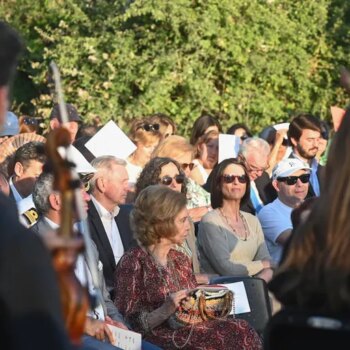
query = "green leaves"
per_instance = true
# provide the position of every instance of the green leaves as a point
(257, 61)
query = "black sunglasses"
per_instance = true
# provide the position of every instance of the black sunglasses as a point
(167, 180)
(150, 127)
(292, 180)
(30, 121)
(228, 179)
(184, 166)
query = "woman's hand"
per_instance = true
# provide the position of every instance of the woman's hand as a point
(173, 301)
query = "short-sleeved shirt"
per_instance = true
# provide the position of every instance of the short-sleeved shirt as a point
(275, 219)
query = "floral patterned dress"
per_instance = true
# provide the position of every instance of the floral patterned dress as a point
(143, 285)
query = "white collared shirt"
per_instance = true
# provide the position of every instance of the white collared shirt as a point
(111, 229)
(83, 274)
(16, 194)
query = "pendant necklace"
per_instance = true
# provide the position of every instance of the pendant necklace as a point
(233, 229)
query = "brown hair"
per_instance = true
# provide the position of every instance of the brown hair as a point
(154, 213)
(172, 147)
(301, 122)
(139, 135)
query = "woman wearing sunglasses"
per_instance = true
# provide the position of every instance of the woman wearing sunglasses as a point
(179, 149)
(230, 241)
(168, 172)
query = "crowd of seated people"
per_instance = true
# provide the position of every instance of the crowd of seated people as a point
(170, 217)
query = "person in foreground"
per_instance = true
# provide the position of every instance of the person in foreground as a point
(230, 241)
(153, 279)
(314, 275)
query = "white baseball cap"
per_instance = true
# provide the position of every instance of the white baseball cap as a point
(287, 167)
(11, 125)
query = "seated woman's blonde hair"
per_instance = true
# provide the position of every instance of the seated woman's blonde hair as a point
(154, 213)
(173, 147)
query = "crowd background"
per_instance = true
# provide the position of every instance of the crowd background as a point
(255, 62)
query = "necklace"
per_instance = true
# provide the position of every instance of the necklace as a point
(170, 269)
(244, 238)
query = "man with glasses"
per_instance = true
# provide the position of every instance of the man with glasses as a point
(290, 178)
(255, 152)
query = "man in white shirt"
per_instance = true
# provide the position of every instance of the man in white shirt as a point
(290, 178)
(109, 188)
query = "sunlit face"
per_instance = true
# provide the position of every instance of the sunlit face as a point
(308, 144)
(171, 170)
(184, 159)
(234, 190)
(256, 165)
(292, 195)
(182, 227)
(147, 150)
(116, 185)
(209, 153)
(26, 176)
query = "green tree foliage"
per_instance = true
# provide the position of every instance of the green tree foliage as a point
(252, 61)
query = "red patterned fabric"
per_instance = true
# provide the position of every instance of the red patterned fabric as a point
(142, 286)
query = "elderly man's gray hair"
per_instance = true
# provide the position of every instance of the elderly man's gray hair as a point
(104, 163)
(254, 145)
(42, 189)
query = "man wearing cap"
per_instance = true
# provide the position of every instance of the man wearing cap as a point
(290, 178)
(73, 117)
(10, 127)
(304, 133)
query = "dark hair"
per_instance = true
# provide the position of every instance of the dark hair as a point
(232, 129)
(216, 194)
(301, 122)
(151, 172)
(201, 125)
(30, 151)
(11, 47)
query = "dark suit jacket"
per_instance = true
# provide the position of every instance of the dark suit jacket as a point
(266, 191)
(99, 236)
(320, 176)
(31, 315)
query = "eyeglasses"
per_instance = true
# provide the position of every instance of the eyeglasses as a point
(184, 166)
(292, 180)
(167, 180)
(150, 127)
(228, 179)
(252, 168)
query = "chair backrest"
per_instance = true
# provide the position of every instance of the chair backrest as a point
(258, 297)
(290, 329)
